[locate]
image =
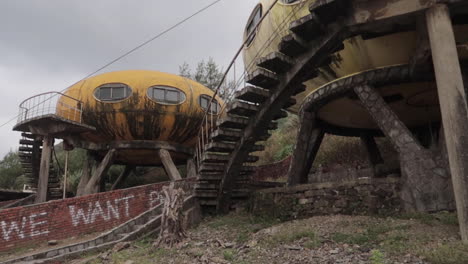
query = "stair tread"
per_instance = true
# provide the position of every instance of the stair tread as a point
(307, 27)
(263, 78)
(291, 46)
(240, 108)
(228, 147)
(276, 62)
(327, 11)
(223, 158)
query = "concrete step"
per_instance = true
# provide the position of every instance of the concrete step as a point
(28, 135)
(237, 122)
(308, 27)
(263, 78)
(213, 167)
(214, 193)
(25, 149)
(214, 176)
(252, 94)
(209, 202)
(27, 142)
(276, 62)
(240, 108)
(292, 46)
(223, 158)
(232, 135)
(259, 95)
(299, 89)
(204, 186)
(328, 11)
(225, 147)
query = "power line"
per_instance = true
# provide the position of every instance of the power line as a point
(131, 51)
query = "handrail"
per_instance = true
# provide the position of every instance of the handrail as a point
(205, 129)
(55, 103)
(237, 55)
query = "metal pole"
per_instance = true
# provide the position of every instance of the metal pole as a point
(65, 175)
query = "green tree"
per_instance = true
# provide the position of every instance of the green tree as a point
(207, 73)
(210, 75)
(11, 172)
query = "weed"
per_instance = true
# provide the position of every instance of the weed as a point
(228, 255)
(368, 238)
(377, 257)
(448, 254)
(396, 244)
(311, 244)
(444, 218)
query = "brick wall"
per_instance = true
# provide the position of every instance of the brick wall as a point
(55, 220)
(359, 196)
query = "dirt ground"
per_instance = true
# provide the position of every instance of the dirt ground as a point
(241, 238)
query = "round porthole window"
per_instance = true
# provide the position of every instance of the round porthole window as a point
(204, 101)
(166, 95)
(252, 23)
(112, 92)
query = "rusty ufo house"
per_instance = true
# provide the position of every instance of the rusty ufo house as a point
(132, 118)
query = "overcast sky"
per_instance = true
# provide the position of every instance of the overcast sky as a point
(47, 45)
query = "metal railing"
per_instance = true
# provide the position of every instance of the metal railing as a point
(235, 77)
(51, 103)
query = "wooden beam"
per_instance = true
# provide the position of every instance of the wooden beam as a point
(169, 165)
(122, 177)
(41, 195)
(101, 170)
(453, 105)
(308, 143)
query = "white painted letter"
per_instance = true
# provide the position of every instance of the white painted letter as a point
(76, 216)
(35, 224)
(98, 211)
(127, 213)
(13, 226)
(114, 210)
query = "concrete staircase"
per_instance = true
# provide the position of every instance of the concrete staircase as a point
(30, 152)
(224, 169)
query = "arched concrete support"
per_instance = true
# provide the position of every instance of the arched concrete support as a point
(308, 143)
(453, 105)
(42, 186)
(426, 181)
(93, 184)
(169, 165)
(122, 177)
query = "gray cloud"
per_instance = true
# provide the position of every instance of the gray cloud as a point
(47, 45)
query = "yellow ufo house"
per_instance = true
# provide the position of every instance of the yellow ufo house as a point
(135, 109)
(415, 101)
(132, 118)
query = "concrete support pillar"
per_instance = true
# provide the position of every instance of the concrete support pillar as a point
(101, 170)
(426, 183)
(191, 169)
(42, 186)
(88, 165)
(373, 152)
(453, 104)
(122, 177)
(308, 143)
(169, 165)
